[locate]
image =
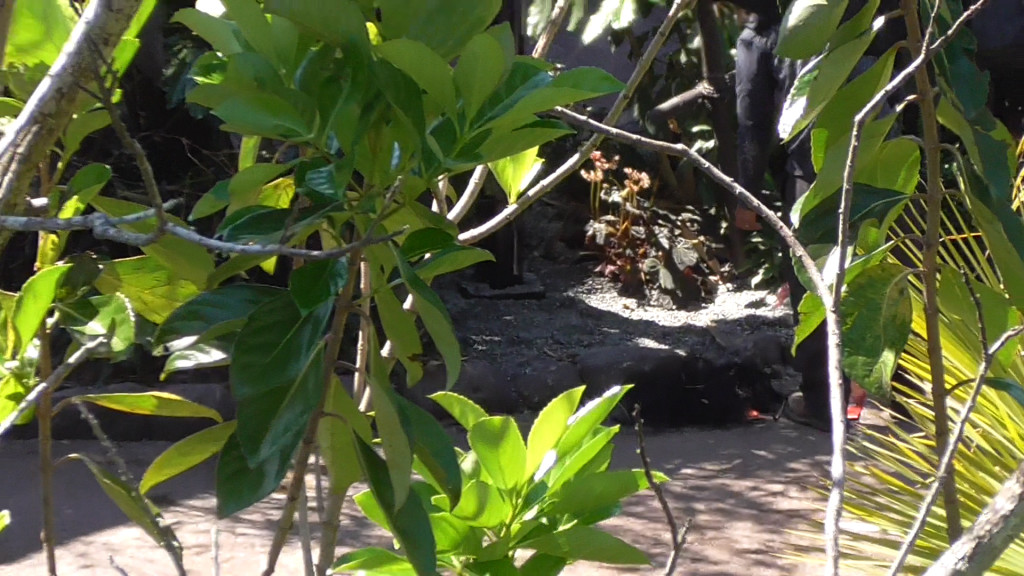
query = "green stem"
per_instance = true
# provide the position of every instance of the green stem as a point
(44, 414)
(932, 148)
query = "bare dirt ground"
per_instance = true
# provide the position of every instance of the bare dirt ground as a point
(745, 488)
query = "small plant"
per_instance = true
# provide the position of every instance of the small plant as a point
(522, 507)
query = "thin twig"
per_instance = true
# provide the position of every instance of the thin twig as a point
(44, 418)
(117, 568)
(215, 545)
(49, 384)
(305, 537)
(541, 188)
(678, 534)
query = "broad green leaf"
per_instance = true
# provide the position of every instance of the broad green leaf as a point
(1010, 387)
(336, 440)
(807, 26)
(515, 173)
(540, 564)
(245, 187)
(819, 224)
(419, 243)
(877, 312)
(135, 506)
(399, 327)
(316, 283)
(837, 115)
(500, 448)
(435, 319)
(13, 389)
(480, 69)
(424, 66)
(337, 22)
(586, 493)
(220, 33)
(432, 445)
(277, 376)
(466, 412)
(451, 259)
(588, 418)
(269, 115)
(153, 403)
(409, 521)
(482, 505)
(189, 261)
(225, 304)
(253, 26)
(496, 567)
(393, 436)
(445, 26)
(452, 535)
(186, 454)
(587, 543)
(38, 31)
(239, 484)
(33, 304)
(235, 265)
(371, 561)
(371, 508)
(153, 290)
(549, 426)
(215, 200)
(109, 319)
(595, 447)
(567, 87)
(83, 187)
(82, 124)
(196, 356)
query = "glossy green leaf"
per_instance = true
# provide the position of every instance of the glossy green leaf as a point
(336, 428)
(515, 173)
(371, 561)
(33, 304)
(482, 505)
(587, 543)
(496, 567)
(82, 125)
(567, 87)
(435, 319)
(245, 188)
(277, 376)
(480, 69)
(197, 356)
(288, 116)
(210, 309)
(153, 290)
(466, 412)
(419, 243)
(807, 26)
(215, 200)
(318, 282)
(501, 450)
(410, 523)
(188, 261)
(153, 403)
(337, 22)
(186, 454)
(452, 535)
(877, 313)
(393, 437)
(239, 484)
(38, 31)
(220, 33)
(424, 66)
(1010, 387)
(540, 564)
(400, 328)
(253, 26)
(432, 445)
(588, 418)
(586, 493)
(597, 447)
(548, 428)
(451, 259)
(109, 319)
(445, 26)
(135, 506)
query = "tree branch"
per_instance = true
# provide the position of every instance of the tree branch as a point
(47, 385)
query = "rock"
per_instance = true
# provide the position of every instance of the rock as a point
(542, 381)
(216, 396)
(480, 381)
(602, 368)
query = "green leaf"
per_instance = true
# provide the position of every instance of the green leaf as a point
(585, 493)
(215, 200)
(188, 261)
(239, 484)
(253, 26)
(399, 326)
(153, 403)
(256, 113)
(1007, 386)
(5, 519)
(336, 428)
(466, 412)
(317, 283)
(500, 448)
(540, 564)
(435, 319)
(445, 26)
(424, 66)
(480, 70)
(451, 259)
(186, 454)
(153, 290)
(496, 567)
(515, 173)
(109, 319)
(135, 506)
(877, 313)
(419, 243)
(337, 22)
(209, 310)
(453, 536)
(393, 436)
(591, 454)
(807, 26)
(83, 124)
(567, 87)
(38, 31)
(220, 33)
(409, 522)
(371, 561)
(432, 445)
(482, 505)
(588, 418)
(587, 543)
(33, 304)
(548, 428)
(277, 376)
(245, 188)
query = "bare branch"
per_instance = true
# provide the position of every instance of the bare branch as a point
(50, 383)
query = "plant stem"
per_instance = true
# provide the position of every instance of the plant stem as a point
(933, 219)
(342, 305)
(329, 532)
(360, 391)
(44, 414)
(304, 534)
